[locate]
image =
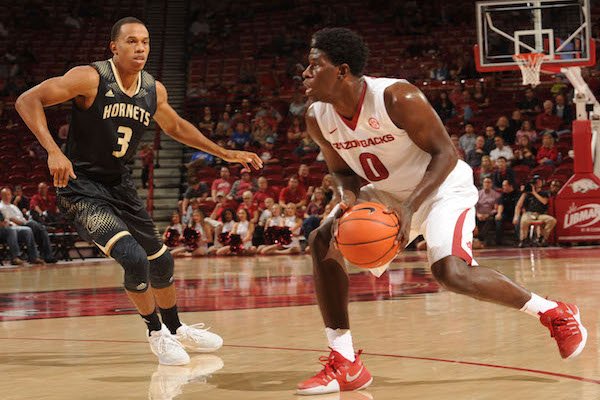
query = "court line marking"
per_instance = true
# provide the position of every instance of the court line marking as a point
(435, 359)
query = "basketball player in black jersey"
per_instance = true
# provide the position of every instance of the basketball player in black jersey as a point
(113, 102)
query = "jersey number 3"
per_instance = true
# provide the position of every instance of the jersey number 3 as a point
(373, 167)
(123, 141)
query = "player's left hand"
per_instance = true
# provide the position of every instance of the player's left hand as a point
(245, 158)
(404, 214)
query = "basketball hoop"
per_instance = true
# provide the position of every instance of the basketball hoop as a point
(530, 65)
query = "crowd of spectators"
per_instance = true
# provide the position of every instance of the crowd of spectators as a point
(24, 225)
(248, 215)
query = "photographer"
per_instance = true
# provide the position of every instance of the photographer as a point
(535, 202)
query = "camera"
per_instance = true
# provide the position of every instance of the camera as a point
(529, 185)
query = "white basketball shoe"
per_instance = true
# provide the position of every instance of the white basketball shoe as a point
(195, 338)
(167, 348)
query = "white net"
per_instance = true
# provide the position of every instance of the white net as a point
(530, 65)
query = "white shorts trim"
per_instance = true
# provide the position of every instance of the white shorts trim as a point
(111, 242)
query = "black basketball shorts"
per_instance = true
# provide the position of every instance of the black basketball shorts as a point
(104, 214)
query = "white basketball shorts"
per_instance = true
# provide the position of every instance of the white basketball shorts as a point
(446, 219)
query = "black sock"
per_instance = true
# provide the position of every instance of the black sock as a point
(170, 318)
(152, 322)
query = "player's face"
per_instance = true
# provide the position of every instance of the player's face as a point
(320, 77)
(132, 46)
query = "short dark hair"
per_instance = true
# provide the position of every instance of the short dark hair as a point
(501, 158)
(342, 46)
(116, 29)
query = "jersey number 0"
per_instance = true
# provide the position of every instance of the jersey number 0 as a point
(123, 141)
(373, 167)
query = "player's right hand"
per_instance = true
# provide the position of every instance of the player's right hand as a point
(347, 201)
(60, 168)
(245, 158)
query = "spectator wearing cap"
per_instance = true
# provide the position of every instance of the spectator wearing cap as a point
(548, 153)
(43, 205)
(293, 193)
(245, 183)
(263, 192)
(221, 184)
(267, 154)
(546, 120)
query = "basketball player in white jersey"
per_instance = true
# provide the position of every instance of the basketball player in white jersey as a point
(385, 131)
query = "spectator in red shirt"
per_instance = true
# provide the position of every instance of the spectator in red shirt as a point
(42, 205)
(263, 192)
(220, 206)
(249, 205)
(293, 193)
(547, 120)
(221, 184)
(548, 153)
(245, 183)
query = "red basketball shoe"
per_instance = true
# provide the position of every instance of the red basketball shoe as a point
(338, 375)
(565, 327)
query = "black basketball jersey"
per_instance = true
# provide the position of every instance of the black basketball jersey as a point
(105, 136)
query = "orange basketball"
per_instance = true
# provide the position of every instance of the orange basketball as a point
(366, 235)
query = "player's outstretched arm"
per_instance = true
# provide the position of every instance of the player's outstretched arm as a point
(347, 181)
(183, 131)
(77, 82)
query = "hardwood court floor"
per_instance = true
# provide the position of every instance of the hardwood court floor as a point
(66, 332)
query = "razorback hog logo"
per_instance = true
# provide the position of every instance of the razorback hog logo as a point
(582, 216)
(583, 186)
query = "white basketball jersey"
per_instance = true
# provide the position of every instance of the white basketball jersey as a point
(371, 144)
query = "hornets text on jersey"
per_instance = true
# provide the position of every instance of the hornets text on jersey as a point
(103, 138)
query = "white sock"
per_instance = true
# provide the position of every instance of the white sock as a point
(537, 305)
(340, 340)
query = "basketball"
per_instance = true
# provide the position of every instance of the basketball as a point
(366, 235)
